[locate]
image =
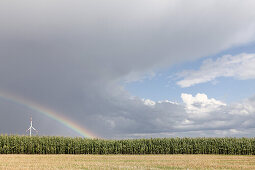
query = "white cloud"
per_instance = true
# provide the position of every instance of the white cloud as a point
(247, 107)
(241, 66)
(197, 116)
(167, 101)
(152, 103)
(149, 102)
(200, 105)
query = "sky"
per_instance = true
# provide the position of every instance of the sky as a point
(128, 69)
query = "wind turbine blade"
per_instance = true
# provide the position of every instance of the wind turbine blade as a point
(28, 129)
(35, 129)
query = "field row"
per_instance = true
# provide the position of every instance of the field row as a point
(65, 145)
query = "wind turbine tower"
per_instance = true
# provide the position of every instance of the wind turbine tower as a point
(31, 127)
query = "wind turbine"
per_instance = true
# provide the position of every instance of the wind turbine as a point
(31, 127)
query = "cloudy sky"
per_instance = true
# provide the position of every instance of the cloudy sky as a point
(130, 68)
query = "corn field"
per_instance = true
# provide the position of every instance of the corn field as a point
(66, 145)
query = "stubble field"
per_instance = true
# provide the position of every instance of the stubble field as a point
(126, 162)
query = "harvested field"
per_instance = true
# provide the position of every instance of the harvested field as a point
(126, 162)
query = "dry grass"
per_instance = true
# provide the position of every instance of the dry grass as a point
(126, 162)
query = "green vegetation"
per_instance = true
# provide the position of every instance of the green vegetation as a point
(65, 145)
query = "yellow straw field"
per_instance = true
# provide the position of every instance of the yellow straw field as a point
(126, 162)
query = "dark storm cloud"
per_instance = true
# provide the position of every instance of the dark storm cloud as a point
(71, 56)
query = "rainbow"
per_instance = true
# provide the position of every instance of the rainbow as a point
(47, 112)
